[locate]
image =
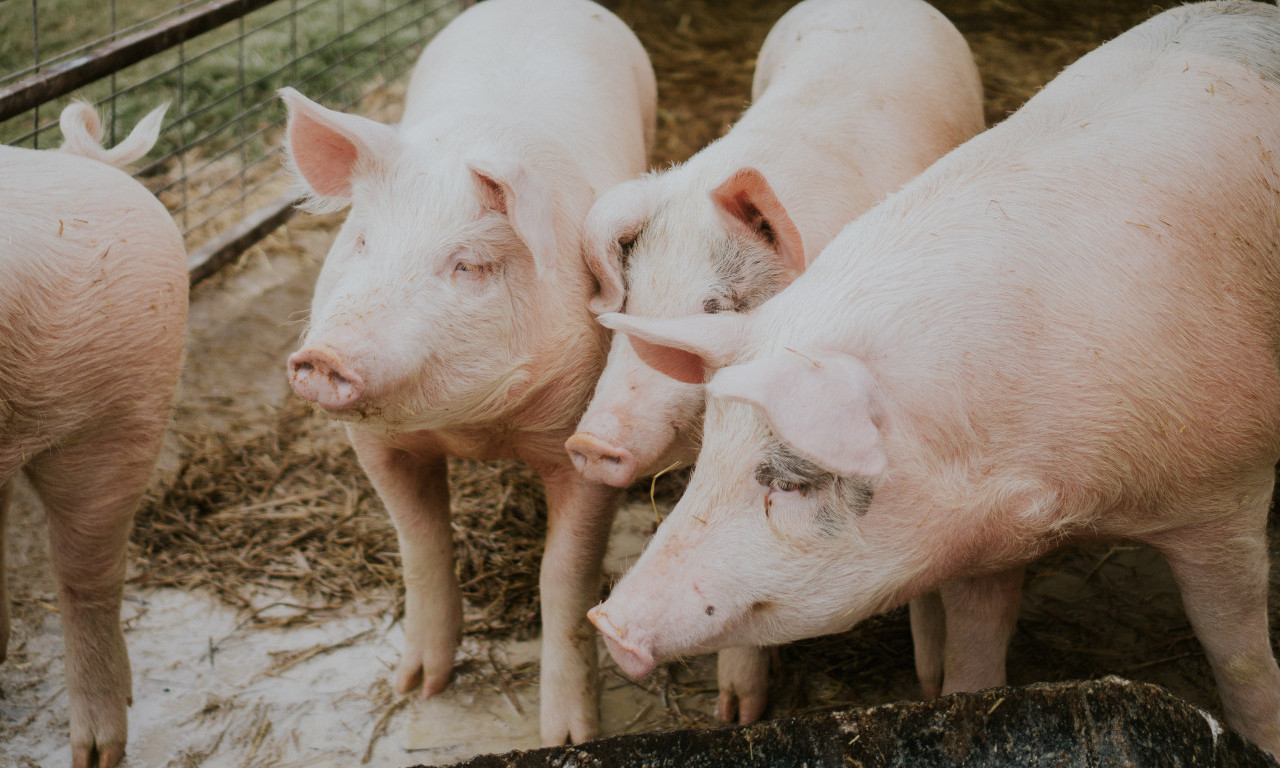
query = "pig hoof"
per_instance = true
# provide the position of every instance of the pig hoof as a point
(575, 732)
(93, 756)
(411, 679)
(742, 709)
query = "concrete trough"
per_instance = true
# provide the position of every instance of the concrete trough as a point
(1108, 722)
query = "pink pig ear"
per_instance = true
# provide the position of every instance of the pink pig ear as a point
(612, 224)
(330, 148)
(687, 349)
(746, 203)
(825, 405)
(507, 188)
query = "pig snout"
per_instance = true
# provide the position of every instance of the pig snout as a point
(633, 657)
(323, 378)
(601, 460)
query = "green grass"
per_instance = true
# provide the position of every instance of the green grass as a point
(223, 119)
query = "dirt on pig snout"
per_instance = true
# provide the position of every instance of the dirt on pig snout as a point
(261, 496)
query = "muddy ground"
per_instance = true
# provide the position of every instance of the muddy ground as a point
(262, 608)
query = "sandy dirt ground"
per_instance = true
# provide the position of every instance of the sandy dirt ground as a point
(213, 687)
(212, 690)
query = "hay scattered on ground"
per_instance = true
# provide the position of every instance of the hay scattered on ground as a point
(289, 508)
(286, 506)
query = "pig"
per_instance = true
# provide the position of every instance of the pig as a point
(1066, 329)
(93, 306)
(851, 99)
(450, 316)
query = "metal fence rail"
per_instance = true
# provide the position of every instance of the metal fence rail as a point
(218, 64)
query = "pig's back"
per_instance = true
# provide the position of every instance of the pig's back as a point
(1092, 289)
(850, 100)
(569, 67)
(93, 297)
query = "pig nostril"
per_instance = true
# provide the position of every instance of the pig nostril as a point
(324, 378)
(600, 461)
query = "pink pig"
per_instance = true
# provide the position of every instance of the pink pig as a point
(852, 98)
(1066, 329)
(451, 318)
(93, 306)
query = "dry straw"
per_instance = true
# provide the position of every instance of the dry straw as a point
(285, 506)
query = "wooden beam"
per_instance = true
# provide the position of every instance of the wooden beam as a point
(61, 79)
(204, 261)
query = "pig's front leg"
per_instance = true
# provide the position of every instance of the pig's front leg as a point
(414, 487)
(90, 491)
(981, 615)
(579, 515)
(6, 492)
(928, 640)
(1221, 569)
(743, 676)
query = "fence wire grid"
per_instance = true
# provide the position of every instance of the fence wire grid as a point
(218, 65)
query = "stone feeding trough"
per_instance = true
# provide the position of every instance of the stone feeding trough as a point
(1108, 722)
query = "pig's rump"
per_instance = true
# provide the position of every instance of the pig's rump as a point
(92, 284)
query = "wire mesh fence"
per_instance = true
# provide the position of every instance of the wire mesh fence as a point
(218, 64)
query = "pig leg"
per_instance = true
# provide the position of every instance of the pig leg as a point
(1221, 569)
(981, 614)
(415, 490)
(579, 515)
(90, 491)
(6, 492)
(743, 675)
(928, 638)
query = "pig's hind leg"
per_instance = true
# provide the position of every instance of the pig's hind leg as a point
(90, 491)
(1221, 568)
(414, 487)
(579, 516)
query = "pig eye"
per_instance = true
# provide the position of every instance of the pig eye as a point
(786, 486)
(471, 268)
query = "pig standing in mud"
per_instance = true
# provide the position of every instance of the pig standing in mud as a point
(1068, 328)
(851, 99)
(93, 307)
(451, 318)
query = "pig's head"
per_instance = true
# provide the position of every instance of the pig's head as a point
(773, 539)
(668, 254)
(438, 290)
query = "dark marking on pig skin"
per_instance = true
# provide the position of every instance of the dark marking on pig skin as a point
(840, 495)
(711, 610)
(749, 273)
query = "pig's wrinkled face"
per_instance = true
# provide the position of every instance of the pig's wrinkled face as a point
(682, 262)
(764, 547)
(413, 321)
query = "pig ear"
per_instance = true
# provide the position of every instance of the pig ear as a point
(329, 148)
(826, 406)
(687, 349)
(613, 223)
(746, 203)
(508, 189)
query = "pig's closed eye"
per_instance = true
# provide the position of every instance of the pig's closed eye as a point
(469, 267)
(786, 485)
